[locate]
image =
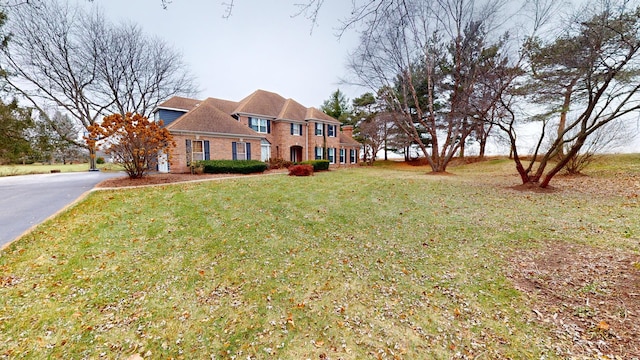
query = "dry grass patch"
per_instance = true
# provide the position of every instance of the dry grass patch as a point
(590, 295)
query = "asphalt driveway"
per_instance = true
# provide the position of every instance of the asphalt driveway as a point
(28, 200)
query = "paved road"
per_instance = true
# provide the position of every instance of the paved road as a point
(28, 200)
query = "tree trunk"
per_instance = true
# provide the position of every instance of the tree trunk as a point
(563, 161)
(92, 159)
(483, 146)
(563, 115)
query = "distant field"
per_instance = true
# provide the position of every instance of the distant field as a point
(383, 262)
(10, 170)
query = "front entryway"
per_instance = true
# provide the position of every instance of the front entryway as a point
(296, 153)
(265, 150)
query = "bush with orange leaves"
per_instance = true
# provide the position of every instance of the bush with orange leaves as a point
(133, 141)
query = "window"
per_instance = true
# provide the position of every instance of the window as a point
(331, 130)
(342, 156)
(262, 126)
(318, 153)
(319, 129)
(332, 155)
(197, 150)
(353, 156)
(296, 129)
(241, 151)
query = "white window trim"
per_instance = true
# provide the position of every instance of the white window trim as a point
(259, 125)
(331, 154)
(319, 131)
(241, 146)
(297, 128)
(334, 130)
(194, 152)
(343, 156)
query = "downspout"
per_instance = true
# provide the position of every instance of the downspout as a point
(306, 143)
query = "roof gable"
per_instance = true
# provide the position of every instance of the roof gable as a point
(293, 110)
(315, 114)
(261, 102)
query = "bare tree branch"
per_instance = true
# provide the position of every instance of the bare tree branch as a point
(80, 63)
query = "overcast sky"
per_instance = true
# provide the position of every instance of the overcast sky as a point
(261, 46)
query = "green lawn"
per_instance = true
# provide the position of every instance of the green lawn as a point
(372, 262)
(38, 168)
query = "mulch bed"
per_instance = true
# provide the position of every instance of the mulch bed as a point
(158, 179)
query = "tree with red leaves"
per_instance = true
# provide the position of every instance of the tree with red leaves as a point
(133, 141)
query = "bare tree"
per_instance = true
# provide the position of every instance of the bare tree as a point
(373, 132)
(61, 57)
(429, 59)
(163, 3)
(608, 60)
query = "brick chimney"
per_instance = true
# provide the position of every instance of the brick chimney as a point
(348, 130)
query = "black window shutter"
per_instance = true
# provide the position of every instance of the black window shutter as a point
(207, 155)
(188, 152)
(268, 128)
(250, 122)
(292, 125)
(234, 151)
(300, 125)
(249, 151)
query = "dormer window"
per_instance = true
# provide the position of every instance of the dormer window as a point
(262, 126)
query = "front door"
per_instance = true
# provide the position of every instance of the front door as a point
(163, 163)
(296, 153)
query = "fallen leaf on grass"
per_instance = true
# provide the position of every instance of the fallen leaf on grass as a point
(602, 325)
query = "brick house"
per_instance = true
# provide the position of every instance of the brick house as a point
(262, 126)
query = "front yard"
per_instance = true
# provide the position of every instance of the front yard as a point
(360, 263)
(39, 168)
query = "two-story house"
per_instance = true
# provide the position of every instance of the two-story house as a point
(262, 126)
